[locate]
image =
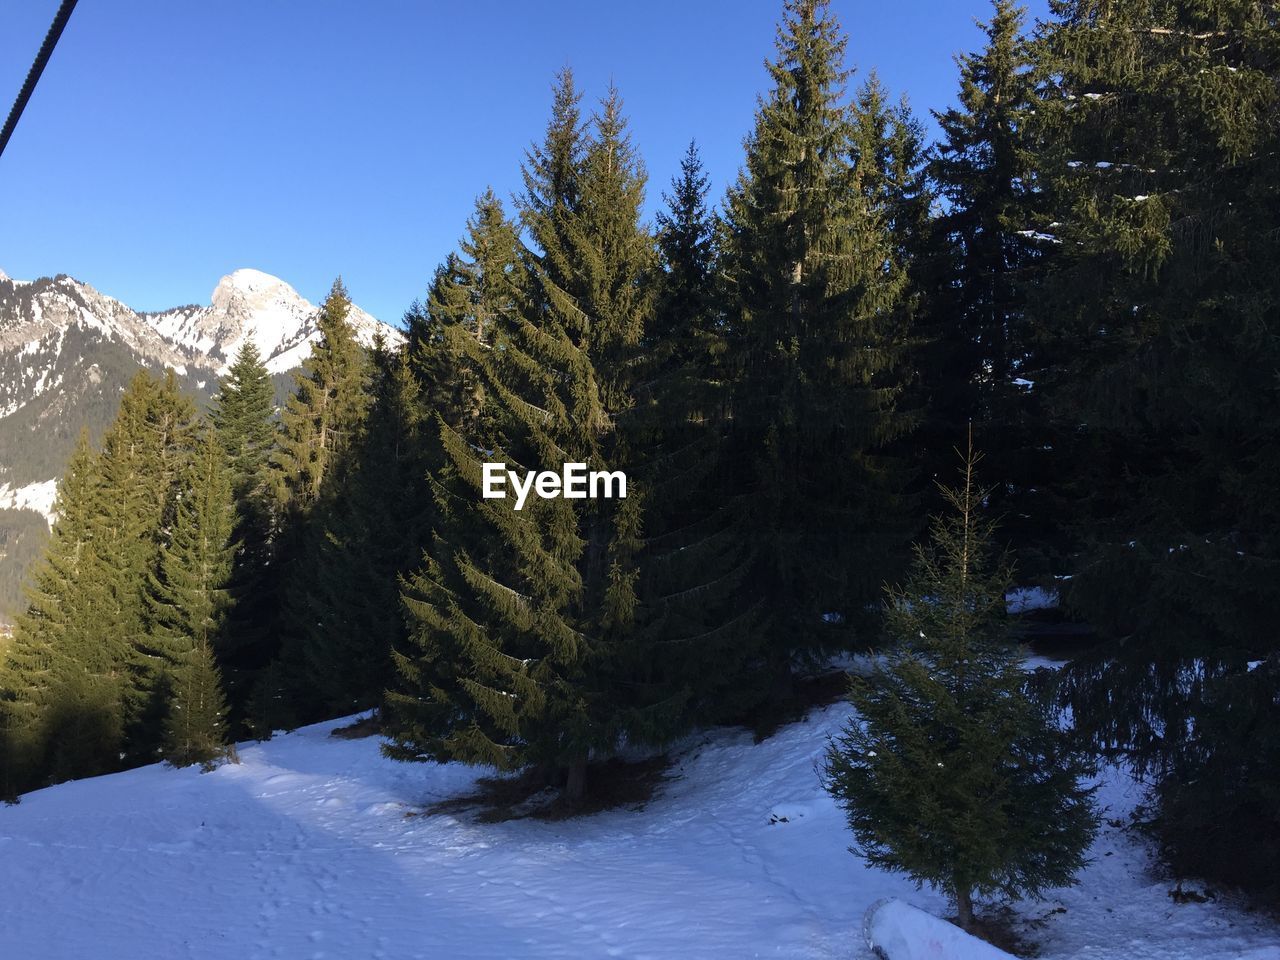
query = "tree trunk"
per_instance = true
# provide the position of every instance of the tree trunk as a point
(575, 785)
(964, 907)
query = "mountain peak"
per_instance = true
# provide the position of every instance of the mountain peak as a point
(247, 284)
(250, 304)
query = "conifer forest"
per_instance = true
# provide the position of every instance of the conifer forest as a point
(883, 386)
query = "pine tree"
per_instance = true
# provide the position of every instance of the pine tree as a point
(1161, 132)
(950, 772)
(695, 633)
(521, 619)
(196, 729)
(321, 428)
(323, 417)
(83, 691)
(374, 534)
(243, 415)
(50, 682)
(889, 163)
(683, 326)
(144, 455)
(473, 299)
(188, 602)
(989, 246)
(815, 318)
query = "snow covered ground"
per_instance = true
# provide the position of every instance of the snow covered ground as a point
(306, 849)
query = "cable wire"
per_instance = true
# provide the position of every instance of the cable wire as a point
(33, 75)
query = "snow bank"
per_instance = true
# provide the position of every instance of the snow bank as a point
(899, 931)
(1026, 599)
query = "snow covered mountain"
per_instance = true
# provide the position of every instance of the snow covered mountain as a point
(67, 351)
(252, 304)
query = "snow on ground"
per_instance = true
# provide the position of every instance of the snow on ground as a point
(904, 932)
(307, 849)
(1027, 599)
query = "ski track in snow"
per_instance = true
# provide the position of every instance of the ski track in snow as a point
(305, 850)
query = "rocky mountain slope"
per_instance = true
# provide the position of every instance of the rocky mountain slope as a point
(67, 351)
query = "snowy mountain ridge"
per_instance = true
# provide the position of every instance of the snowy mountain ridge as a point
(250, 304)
(246, 304)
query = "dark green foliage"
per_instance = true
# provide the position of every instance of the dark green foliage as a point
(322, 419)
(814, 305)
(474, 299)
(188, 604)
(196, 728)
(242, 414)
(23, 537)
(374, 533)
(986, 250)
(699, 636)
(951, 772)
(521, 621)
(889, 161)
(321, 428)
(144, 455)
(54, 641)
(1161, 125)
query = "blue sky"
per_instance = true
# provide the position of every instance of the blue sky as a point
(170, 143)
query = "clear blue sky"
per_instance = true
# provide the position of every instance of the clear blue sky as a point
(171, 142)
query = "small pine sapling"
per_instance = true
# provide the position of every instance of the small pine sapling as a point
(950, 771)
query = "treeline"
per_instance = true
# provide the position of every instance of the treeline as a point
(1083, 269)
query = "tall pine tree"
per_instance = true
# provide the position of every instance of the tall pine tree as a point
(989, 246)
(61, 701)
(521, 620)
(1161, 125)
(374, 533)
(697, 634)
(243, 414)
(814, 307)
(321, 427)
(189, 600)
(144, 454)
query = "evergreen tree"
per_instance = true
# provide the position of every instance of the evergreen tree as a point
(950, 772)
(189, 599)
(321, 427)
(82, 689)
(521, 620)
(53, 679)
(469, 295)
(243, 413)
(684, 321)
(144, 455)
(696, 635)
(374, 534)
(889, 162)
(814, 307)
(196, 728)
(1161, 126)
(323, 417)
(989, 246)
